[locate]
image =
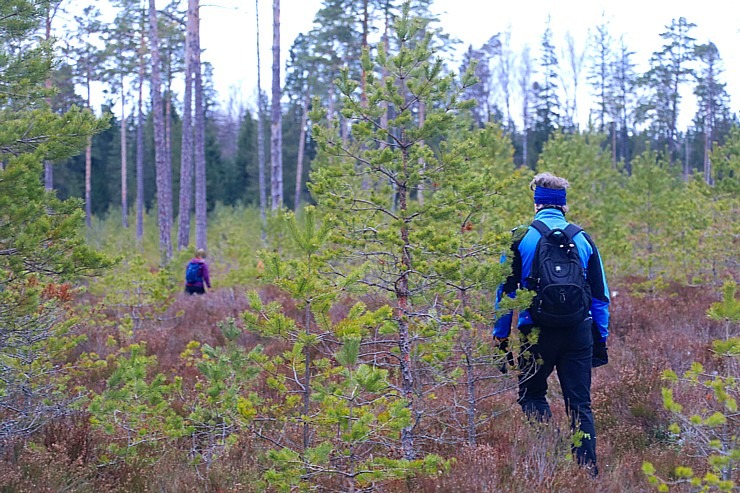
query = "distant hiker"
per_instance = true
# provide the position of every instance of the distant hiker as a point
(561, 264)
(196, 274)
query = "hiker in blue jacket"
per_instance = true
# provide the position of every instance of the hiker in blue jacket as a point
(571, 349)
(196, 274)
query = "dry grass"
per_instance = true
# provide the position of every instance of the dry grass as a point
(649, 334)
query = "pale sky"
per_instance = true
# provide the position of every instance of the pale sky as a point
(229, 39)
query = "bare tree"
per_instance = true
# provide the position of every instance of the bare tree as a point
(164, 195)
(505, 72)
(574, 59)
(602, 45)
(276, 135)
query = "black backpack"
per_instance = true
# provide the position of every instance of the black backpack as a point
(193, 273)
(563, 296)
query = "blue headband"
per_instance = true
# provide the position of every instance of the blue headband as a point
(549, 196)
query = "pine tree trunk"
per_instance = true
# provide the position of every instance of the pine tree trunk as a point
(365, 29)
(307, 379)
(404, 337)
(88, 165)
(707, 162)
(186, 157)
(686, 157)
(470, 381)
(201, 225)
(168, 146)
(301, 152)
(384, 72)
(48, 175)
(88, 190)
(164, 197)
(420, 188)
(261, 134)
(276, 133)
(48, 167)
(124, 158)
(140, 149)
(613, 129)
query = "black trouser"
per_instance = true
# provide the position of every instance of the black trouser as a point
(195, 289)
(569, 351)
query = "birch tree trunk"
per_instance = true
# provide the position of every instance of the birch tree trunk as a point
(186, 158)
(276, 134)
(201, 237)
(164, 196)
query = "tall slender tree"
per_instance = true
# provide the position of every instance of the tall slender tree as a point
(164, 194)
(261, 110)
(524, 80)
(713, 102)
(199, 119)
(299, 82)
(122, 50)
(186, 152)
(505, 76)
(51, 9)
(571, 77)
(601, 47)
(624, 79)
(172, 31)
(276, 121)
(88, 55)
(140, 126)
(482, 91)
(546, 100)
(669, 69)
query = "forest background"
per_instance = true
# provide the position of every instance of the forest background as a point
(346, 344)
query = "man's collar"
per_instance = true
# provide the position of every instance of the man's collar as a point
(549, 212)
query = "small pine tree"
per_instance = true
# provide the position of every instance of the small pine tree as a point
(328, 416)
(709, 427)
(402, 188)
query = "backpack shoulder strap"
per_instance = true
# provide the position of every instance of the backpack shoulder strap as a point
(572, 230)
(541, 227)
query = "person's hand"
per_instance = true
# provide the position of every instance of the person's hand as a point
(502, 344)
(600, 355)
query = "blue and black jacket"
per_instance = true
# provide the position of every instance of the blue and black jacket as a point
(523, 249)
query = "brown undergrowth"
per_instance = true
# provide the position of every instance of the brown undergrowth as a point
(649, 335)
